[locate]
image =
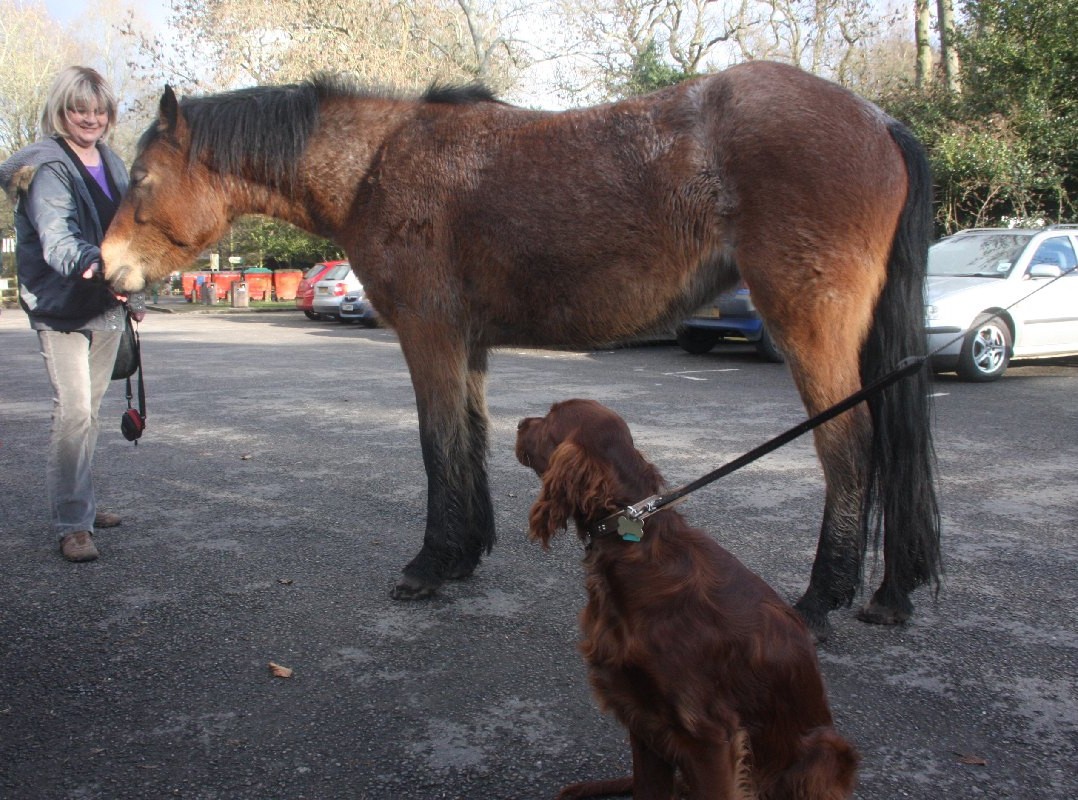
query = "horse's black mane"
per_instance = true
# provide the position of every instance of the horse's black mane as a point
(262, 132)
(459, 95)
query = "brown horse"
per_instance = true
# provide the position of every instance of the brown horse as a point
(462, 215)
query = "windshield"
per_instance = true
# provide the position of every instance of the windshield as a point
(977, 255)
(337, 272)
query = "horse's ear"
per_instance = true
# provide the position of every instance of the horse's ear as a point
(168, 112)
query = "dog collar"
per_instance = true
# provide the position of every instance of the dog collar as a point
(627, 523)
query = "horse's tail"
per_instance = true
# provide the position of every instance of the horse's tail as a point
(901, 490)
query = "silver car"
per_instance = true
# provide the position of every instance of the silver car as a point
(994, 294)
(329, 292)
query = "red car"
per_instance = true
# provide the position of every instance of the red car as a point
(305, 290)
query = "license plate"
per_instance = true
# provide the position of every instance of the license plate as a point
(347, 306)
(709, 313)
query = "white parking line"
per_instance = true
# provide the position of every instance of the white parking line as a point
(690, 375)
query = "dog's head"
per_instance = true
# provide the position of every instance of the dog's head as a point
(590, 469)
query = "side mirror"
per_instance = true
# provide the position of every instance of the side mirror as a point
(1045, 271)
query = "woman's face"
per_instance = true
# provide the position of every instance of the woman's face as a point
(86, 124)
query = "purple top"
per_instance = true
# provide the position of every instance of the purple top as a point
(98, 174)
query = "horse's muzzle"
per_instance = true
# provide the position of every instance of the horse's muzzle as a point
(121, 281)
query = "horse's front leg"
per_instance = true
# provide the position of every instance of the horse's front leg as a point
(450, 384)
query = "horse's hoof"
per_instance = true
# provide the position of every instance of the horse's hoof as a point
(876, 614)
(411, 588)
(463, 569)
(816, 622)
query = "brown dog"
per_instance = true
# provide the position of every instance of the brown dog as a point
(714, 675)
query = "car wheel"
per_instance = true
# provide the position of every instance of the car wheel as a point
(986, 351)
(768, 350)
(697, 340)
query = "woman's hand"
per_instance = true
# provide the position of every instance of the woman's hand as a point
(137, 313)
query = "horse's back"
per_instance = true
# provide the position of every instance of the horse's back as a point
(660, 199)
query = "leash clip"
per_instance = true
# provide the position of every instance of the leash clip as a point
(629, 522)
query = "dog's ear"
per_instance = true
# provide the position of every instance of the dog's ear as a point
(575, 486)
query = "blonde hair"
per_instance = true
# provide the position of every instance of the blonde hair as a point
(76, 87)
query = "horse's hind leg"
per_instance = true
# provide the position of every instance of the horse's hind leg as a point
(842, 446)
(825, 367)
(449, 384)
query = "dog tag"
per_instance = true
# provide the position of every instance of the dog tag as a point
(631, 530)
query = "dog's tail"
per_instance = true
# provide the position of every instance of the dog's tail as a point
(827, 769)
(609, 788)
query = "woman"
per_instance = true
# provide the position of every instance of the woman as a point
(66, 188)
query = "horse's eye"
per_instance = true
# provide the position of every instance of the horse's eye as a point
(138, 175)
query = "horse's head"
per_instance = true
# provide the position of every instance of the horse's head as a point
(174, 207)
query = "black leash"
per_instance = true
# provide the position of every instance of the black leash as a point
(629, 522)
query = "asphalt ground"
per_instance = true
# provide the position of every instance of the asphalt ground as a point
(278, 491)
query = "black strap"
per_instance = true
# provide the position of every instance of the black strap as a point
(138, 369)
(625, 522)
(628, 523)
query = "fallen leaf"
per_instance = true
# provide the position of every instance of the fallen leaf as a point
(277, 671)
(246, 457)
(285, 581)
(976, 761)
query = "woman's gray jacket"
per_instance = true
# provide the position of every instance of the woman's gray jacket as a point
(58, 235)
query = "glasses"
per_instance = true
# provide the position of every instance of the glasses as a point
(86, 112)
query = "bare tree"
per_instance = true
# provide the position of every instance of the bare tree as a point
(401, 43)
(833, 38)
(33, 48)
(607, 37)
(823, 36)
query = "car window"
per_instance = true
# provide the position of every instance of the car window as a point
(314, 271)
(981, 255)
(1056, 252)
(338, 272)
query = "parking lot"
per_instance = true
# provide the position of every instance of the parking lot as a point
(279, 489)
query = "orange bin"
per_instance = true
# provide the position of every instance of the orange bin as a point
(286, 282)
(259, 284)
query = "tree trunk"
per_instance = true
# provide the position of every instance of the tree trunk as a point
(922, 26)
(949, 54)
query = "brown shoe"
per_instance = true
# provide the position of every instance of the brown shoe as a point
(105, 519)
(78, 546)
